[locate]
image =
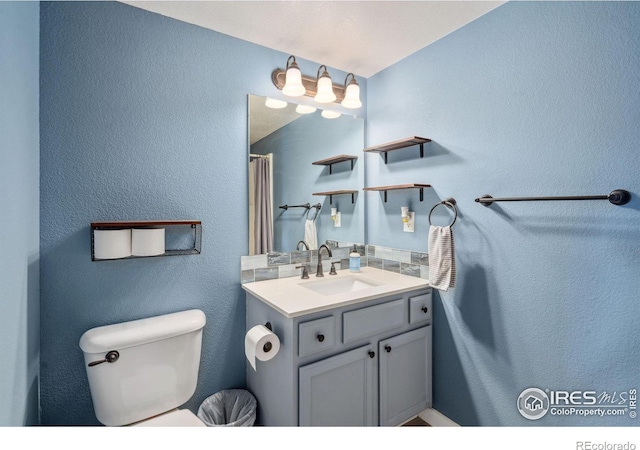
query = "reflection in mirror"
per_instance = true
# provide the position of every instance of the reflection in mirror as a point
(288, 170)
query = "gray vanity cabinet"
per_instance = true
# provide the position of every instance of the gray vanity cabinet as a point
(405, 365)
(365, 364)
(340, 390)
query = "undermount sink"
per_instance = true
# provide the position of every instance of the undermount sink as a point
(341, 285)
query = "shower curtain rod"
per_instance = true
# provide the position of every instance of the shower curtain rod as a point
(617, 197)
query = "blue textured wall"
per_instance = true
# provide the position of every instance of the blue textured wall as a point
(531, 99)
(142, 117)
(19, 212)
(296, 146)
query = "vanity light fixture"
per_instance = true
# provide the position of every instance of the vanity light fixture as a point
(293, 79)
(274, 103)
(293, 84)
(328, 114)
(305, 109)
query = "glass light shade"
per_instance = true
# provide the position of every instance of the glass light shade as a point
(305, 109)
(293, 86)
(325, 90)
(275, 104)
(352, 96)
(327, 114)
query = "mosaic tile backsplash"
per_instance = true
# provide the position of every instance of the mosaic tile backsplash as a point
(287, 264)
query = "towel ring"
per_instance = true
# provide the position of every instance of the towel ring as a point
(317, 207)
(451, 203)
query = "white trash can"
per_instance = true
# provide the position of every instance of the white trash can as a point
(229, 408)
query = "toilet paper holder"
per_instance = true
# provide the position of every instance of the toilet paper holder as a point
(267, 347)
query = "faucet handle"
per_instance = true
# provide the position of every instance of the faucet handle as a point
(305, 271)
(333, 268)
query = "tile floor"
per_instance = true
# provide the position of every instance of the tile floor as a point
(417, 422)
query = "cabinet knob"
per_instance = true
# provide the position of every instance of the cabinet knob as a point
(387, 348)
(372, 354)
(321, 338)
(425, 309)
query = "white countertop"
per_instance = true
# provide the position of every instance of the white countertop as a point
(292, 299)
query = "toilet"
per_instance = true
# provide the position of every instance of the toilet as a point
(140, 372)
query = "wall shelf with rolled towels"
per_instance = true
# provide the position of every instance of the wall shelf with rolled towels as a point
(617, 197)
(140, 239)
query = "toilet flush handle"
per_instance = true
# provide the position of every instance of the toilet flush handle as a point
(110, 357)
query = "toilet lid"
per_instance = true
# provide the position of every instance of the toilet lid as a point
(176, 418)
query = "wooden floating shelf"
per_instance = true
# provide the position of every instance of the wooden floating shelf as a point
(396, 187)
(335, 160)
(399, 144)
(341, 192)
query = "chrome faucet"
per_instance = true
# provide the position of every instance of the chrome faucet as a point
(319, 269)
(304, 244)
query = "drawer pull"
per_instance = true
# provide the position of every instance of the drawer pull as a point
(321, 338)
(372, 354)
(387, 348)
(425, 309)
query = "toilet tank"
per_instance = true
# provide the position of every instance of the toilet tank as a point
(156, 369)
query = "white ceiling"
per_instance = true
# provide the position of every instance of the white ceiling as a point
(362, 37)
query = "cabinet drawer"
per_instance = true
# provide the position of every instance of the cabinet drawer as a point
(420, 308)
(366, 322)
(316, 335)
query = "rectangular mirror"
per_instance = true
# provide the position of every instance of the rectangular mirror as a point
(300, 159)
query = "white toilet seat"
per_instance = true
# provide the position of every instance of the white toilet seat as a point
(175, 418)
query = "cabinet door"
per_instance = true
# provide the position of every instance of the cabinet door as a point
(405, 376)
(340, 390)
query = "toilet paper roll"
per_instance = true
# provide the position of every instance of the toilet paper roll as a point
(111, 244)
(260, 343)
(147, 241)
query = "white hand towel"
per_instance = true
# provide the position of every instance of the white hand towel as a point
(442, 261)
(310, 234)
